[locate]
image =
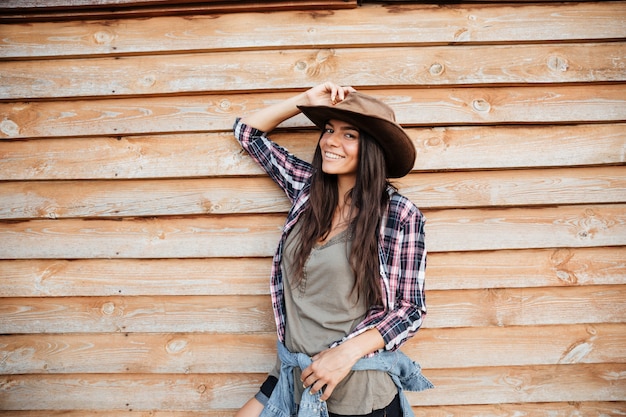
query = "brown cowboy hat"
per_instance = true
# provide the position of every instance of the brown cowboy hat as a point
(375, 118)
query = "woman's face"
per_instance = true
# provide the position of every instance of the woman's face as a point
(340, 148)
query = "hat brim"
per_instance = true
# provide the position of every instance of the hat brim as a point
(396, 144)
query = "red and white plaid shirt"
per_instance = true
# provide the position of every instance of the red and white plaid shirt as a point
(401, 247)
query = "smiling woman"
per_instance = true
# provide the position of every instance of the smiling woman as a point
(342, 310)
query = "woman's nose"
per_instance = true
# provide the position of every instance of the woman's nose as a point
(333, 139)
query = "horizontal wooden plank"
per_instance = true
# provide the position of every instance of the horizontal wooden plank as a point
(491, 147)
(516, 188)
(250, 276)
(238, 314)
(244, 353)
(199, 237)
(413, 107)
(512, 346)
(100, 277)
(192, 392)
(247, 71)
(171, 8)
(564, 409)
(214, 314)
(120, 4)
(526, 268)
(525, 306)
(197, 392)
(218, 154)
(407, 24)
(131, 353)
(524, 384)
(69, 4)
(67, 199)
(63, 199)
(257, 235)
(522, 228)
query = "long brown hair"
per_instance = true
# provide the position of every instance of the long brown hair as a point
(368, 200)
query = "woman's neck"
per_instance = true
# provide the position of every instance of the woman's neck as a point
(345, 184)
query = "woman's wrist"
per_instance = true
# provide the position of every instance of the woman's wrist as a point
(363, 344)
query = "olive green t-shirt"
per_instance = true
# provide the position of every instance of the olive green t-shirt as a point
(322, 309)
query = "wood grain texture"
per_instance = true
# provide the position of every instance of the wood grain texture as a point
(250, 276)
(141, 198)
(216, 314)
(248, 71)
(196, 392)
(518, 228)
(163, 353)
(136, 236)
(218, 154)
(413, 107)
(523, 385)
(130, 277)
(564, 409)
(240, 314)
(110, 9)
(257, 235)
(402, 24)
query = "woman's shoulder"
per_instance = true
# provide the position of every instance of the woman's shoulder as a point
(401, 207)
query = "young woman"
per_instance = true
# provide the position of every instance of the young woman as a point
(347, 280)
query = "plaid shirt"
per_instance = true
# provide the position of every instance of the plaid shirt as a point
(401, 248)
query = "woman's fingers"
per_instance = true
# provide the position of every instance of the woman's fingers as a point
(328, 93)
(339, 93)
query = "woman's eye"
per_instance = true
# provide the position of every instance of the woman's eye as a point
(328, 130)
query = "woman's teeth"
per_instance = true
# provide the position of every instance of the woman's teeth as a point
(332, 156)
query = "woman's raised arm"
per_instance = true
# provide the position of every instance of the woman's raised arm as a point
(267, 118)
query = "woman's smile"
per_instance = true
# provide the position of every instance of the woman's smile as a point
(331, 155)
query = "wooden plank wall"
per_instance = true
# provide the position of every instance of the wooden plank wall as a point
(135, 237)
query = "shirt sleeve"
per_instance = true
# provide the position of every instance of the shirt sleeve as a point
(406, 268)
(403, 273)
(285, 169)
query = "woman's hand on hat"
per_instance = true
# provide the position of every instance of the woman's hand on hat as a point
(327, 94)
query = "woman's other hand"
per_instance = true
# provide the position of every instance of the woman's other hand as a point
(328, 369)
(332, 365)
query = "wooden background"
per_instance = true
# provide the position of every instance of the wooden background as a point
(135, 236)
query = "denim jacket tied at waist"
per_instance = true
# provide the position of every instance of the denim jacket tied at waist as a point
(405, 373)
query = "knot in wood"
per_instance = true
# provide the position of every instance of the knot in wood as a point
(481, 105)
(224, 104)
(436, 69)
(176, 346)
(324, 54)
(103, 37)
(433, 142)
(108, 308)
(147, 80)
(557, 63)
(566, 276)
(9, 128)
